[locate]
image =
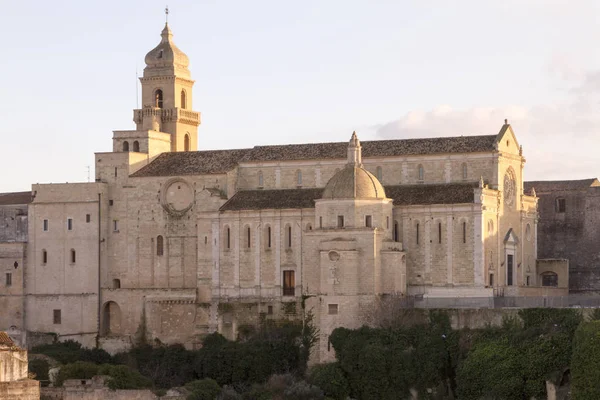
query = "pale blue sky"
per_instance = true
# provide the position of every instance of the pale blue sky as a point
(271, 72)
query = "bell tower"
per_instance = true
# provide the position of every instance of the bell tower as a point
(167, 95)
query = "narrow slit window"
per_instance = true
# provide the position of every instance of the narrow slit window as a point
(421, 172)
(320, 222)
(8, 279)
(268, 237)
(248, 237)
(299, 178)
(289, 236)
(115, 225)
(70, 224)
(160, 246)
(464, 171)
(440, 232)
(46, 225)
(417, 233)
(396, 232)
(340, 220)
(228, 238)
(464, 232)
(44, 257)
(73, 256)
(260, 179)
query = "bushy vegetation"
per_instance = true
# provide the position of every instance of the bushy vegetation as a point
(585, 366)
(512, 361)
(40, 368)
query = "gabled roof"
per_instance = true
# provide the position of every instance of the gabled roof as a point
(452, 193)
(221, 161)
(15, 198)
(5, 340)
(552, 186)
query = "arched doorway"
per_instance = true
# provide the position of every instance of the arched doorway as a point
(111, 318)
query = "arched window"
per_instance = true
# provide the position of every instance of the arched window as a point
(186, 142)
(379, 173)
(464, 171)
(136, 146)
(73, 256)
(44, 256)
(183, 99)
(158, 98)
(248, 237)
(160, 247)
(126, 146)
(421, 175)
(299, 178)
(261, 181)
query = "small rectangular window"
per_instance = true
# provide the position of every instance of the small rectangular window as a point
(110, 202)
(57, 317)
(491, 279)
(88, 218)
(561, 205)
(115, 225)
(46, 225)
(73, 256)
(44, 256)
(270, 310)
(340, 223)
(8, 279)
(70, 224)
(332, 309)
(368, 221)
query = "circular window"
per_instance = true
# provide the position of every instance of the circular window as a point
(177, 197)
(334, 256)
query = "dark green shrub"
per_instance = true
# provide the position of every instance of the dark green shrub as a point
(585, 363)
(204, 389)
(492, 370)
(166, 366)
(40, 368)
(76, 370)
(70, 351)
(331, 379)
(123, 377)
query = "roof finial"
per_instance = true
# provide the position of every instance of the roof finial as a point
(167, 14)
(505, 121)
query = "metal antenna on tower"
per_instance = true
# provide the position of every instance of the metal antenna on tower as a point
(137, 97)
(167, 14)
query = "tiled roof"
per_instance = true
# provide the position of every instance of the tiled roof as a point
(220, 161)
(5, 340)
(15, 198)
(454, 193)
(551, 186)
(193, 163)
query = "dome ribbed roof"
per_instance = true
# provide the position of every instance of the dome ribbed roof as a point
(166, 53)
(354, 182)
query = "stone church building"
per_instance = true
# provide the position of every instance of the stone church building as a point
(173, 243)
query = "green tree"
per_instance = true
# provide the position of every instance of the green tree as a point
(585, 363)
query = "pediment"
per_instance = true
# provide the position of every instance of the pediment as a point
(511, 237)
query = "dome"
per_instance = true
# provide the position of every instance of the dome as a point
(354, 182)
(166, 53)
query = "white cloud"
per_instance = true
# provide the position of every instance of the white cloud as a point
(560, 140)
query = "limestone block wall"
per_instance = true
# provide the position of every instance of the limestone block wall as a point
(13, 223)
(13, 258)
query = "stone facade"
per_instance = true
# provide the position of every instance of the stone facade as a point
(173, 243)
(569, 228)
